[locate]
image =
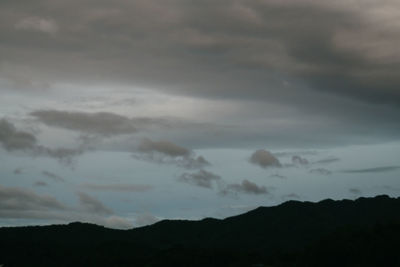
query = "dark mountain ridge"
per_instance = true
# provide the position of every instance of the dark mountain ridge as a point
(291, 234)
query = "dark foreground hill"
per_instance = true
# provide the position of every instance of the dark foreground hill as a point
(364, 232)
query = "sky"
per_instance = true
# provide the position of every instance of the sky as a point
(123, 113)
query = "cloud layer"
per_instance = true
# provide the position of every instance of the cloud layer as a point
(14, 140)
(201, 178)
(245, 187)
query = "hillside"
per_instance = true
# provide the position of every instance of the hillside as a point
(363, 232)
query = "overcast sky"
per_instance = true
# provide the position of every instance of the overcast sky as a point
(122, 113)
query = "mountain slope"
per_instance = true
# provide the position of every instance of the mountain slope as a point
(291, 233)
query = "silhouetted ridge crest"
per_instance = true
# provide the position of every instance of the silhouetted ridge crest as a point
(279, 234)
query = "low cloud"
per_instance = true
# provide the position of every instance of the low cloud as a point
(40, 183)
(21, 203)
(164, 147)
(355, 191)
(12, 139)
(299, 160)
(291, 153)
(374, 170)
(15, 200)
(193, 162)
(166, 152)
(119, 187)
(63, 155)
(18, 171)
(201, 178)
(245, 187)
(327, 160)
(264, 159)
(277, 175)
(320, 171)
(93, 205)
(53, 176)
(101, 123)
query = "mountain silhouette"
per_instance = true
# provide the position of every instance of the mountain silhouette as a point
(363, 232)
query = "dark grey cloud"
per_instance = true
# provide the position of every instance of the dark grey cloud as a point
(53, 176)
(193, 162)
(164, 147)
(15, 201)
(320, 171)
(93, 205)
(12, 139)
(299, 160)
(119, 187)
(166, 152)
(40, 183)
(63, 155)
(189, 162)
(306, 55)
(277, 175)
(355, 191)
(313, 42)
(374, 170)
(245, 187)
(102, 123)
(18, 171)
(211, 47)
(264, 159)
(96, 127)
(201, 178)
(327, 160)
(295, 153)
(21, 203)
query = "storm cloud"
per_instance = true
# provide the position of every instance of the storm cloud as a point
(316, 43)
(301, 57)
